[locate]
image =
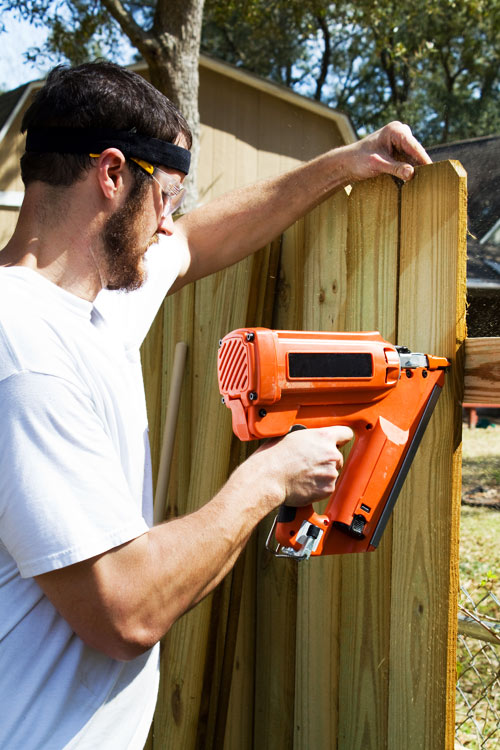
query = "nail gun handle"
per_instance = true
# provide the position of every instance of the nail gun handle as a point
(372, 477)
(370, 465)
(291, 520)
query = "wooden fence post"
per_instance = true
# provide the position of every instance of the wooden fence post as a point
(324, 289)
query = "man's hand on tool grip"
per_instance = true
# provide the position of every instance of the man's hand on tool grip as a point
(307, 462)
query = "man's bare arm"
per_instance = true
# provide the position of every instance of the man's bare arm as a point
(235, 225)
(125, 600)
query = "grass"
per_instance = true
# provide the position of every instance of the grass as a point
(480, 523)
(477, 663)
(481, 458)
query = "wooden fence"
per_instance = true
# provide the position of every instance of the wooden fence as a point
(350, 652)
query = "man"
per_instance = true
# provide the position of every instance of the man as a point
(87, 588)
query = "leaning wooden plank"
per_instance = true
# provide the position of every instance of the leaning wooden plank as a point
(178, 326)
(372, 281)
(169, 431)
(482, 371)
(422, 666)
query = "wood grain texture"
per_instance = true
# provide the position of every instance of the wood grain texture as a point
(239, 720)
(372, 278)
(482, 371)
(352, 652)
(319, 281)
(276, 588)
(431, 318)
(217, 310)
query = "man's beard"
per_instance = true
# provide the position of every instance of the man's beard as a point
(123, 254)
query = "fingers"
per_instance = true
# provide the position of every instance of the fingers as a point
(406, 146)
(339, 436)
(391, 150)
(308, 462)
(404, 151)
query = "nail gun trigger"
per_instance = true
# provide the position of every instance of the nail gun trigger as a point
(309, 537)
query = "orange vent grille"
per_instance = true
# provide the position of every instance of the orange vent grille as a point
(233, 367)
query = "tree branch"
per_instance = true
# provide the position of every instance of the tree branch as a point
(325, 57)
(139, 38)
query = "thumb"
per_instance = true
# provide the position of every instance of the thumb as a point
(343, 435)
(403, 171)
(398, 168)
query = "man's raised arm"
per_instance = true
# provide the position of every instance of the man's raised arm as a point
(244, 220)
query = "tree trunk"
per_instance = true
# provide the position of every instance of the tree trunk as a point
(171, 50)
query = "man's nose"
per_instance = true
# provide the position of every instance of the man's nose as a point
(166, 224)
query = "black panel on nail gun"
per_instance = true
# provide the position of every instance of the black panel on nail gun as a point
(330, 365)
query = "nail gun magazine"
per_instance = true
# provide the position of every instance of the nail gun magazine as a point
(277, 381)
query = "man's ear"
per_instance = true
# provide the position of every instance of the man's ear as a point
(110, 172)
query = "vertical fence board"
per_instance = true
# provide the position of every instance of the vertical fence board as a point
(154, 384)
(177, 326)
(372, 268)
(425, 560)
(240, 720)
(239, 730)
(322, 288)
(276, 580)
(186, 643)
(261, 284)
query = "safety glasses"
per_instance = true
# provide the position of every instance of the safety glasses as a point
(172, 194)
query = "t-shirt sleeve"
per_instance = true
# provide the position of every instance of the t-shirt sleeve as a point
(133, 312)
(63, 495)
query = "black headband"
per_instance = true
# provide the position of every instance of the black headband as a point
(92, 141)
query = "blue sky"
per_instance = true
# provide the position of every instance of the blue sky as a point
(19, 37)
(16, 40)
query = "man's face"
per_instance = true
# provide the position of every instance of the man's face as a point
(131, 230)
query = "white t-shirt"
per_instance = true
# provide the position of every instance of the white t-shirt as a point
(75, 481)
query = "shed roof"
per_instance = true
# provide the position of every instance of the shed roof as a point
(481, 159)
(12, 101)
(9, 102)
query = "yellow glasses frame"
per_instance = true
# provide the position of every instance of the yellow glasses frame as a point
(170, 204)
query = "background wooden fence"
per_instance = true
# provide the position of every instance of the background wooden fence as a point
(351, 652)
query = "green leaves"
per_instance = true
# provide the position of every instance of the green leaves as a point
(433, 63)
(79, 30)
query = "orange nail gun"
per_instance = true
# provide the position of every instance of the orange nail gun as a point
(277, 381)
